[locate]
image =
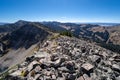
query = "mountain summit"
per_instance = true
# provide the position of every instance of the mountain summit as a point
(67, 58)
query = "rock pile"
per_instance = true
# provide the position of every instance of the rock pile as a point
(69, 59)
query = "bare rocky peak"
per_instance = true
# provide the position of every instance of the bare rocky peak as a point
(67, 58)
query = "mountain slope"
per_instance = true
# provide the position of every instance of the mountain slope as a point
(107, 37)
(67, 58)
(21, 42)
(25, 36)
(85, 31)
(114, 34)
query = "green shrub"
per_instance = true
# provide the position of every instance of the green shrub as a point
(66, 33)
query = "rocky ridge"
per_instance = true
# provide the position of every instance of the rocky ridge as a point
(67, 58)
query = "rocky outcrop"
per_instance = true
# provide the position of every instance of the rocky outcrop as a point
(68, 59)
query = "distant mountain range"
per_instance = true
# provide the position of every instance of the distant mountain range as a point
(2, 23)
(106, 24)
(93, 23)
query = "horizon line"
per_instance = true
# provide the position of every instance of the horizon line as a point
(61, 21)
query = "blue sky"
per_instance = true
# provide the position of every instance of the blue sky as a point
(60, 10)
